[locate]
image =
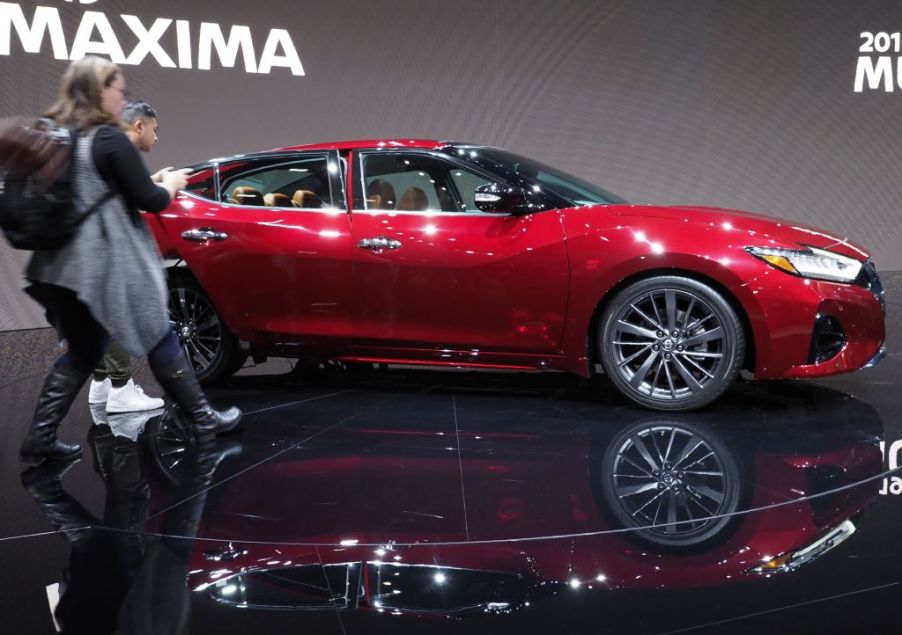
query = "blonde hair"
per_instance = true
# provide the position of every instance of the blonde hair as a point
(80, 99)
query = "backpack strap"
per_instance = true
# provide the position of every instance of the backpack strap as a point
(74, 138)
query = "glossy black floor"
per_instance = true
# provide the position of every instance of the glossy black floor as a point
(404, 501)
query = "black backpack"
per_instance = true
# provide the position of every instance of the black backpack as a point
(37, 204)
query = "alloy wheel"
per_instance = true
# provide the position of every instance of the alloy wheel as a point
(669, 344)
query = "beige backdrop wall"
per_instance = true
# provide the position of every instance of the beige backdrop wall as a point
(737, 104)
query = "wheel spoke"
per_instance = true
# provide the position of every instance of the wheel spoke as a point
(688, 314)
(654, 306)
(650, 501)
(654, 381)
(691, 381)
(637, 466)
(699, 322)
(654, 323)
(714, 334)
(642, 449)
(632, 490)
(671, 515)
(699, 460)
(670, 380)
(669, 444)
(696, 364)
(642, 371)
(632, 329)
(206, 352)
(634, 355)
(692, 444)
(670, 303)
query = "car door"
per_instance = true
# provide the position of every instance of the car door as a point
(435, 278)
(272, 250)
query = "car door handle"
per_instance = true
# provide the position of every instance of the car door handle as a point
(379, 244)
(203, 234)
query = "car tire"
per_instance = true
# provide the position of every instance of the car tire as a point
(206, 341)
(671, 343)
(645, 491)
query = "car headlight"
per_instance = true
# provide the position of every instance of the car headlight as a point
(810, 262)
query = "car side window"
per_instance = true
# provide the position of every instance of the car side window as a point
(277, 182)
(201, 183)
(414, 182)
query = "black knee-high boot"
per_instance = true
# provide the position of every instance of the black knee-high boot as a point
(179, 381)
(57, 394)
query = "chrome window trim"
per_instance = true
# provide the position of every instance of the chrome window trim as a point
(429, 213)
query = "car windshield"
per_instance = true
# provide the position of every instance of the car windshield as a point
(572, 188)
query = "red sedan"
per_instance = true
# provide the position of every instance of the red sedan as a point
(425, 252)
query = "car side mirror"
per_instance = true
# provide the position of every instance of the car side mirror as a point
(501, 199)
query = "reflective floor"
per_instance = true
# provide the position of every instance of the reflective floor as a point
(376, 500)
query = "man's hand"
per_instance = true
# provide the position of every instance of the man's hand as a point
(157, 177)
(173, 180)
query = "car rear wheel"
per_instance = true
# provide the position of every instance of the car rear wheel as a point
(212, 350)
(671, 343)
(676, 485)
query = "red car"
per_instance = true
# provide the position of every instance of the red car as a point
(425, 252)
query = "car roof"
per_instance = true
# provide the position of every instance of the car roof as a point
(368, 143)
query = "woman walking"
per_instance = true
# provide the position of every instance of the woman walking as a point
(108, 280)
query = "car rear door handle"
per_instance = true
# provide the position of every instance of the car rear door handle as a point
(379, 244)
(203, 234)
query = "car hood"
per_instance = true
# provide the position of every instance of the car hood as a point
(761, 228)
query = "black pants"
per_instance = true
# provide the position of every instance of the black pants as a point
(86, 338)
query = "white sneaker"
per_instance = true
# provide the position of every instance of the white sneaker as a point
(131, 398)
(99, 391)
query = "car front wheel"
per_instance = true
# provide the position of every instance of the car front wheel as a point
(671, 343)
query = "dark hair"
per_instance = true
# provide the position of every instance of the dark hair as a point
(135, 110)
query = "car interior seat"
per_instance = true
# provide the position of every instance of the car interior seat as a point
(245, 195)
(306, 198)
(276, 199)
(413, 200)
(380, 195)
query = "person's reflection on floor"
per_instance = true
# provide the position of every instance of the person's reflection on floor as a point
(118, 579)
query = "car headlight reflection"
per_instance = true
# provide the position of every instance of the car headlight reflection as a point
(810, 263)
